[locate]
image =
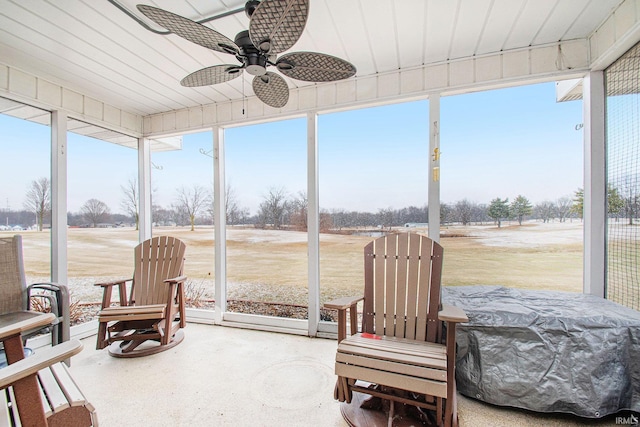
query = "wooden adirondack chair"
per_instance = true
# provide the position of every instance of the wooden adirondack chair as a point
(403, 354)
(155, 309)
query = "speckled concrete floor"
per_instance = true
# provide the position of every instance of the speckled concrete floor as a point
(221, 376)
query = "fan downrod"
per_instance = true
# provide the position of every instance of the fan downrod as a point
(250, 7)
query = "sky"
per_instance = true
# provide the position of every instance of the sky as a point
(501, 143)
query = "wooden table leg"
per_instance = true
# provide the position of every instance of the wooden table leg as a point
(26, 390)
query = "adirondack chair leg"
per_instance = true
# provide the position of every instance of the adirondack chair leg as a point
(346, 390)
(102, 341)
(455, 410)
(439, 410)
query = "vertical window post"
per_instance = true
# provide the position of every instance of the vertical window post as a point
(59, 197)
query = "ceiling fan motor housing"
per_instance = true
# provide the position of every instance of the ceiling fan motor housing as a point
(254, 60)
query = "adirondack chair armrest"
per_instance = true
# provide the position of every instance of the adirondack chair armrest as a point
(453, 314)
(39, 360)
(113, 283)
(108, 289)
(179, 279)
(342, 304)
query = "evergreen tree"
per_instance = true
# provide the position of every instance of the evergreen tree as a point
(499, 209)
(520, 208)
(578, 203)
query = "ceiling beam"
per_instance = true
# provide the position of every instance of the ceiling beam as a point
(534, 64)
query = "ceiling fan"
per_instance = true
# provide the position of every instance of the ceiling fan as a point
(274, 26)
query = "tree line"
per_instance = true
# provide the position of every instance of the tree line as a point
(280, 209)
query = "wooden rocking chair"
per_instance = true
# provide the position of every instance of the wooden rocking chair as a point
(155, 309)
(406, 350)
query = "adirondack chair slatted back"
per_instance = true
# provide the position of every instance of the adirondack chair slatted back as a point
(156, 260)
(402, 287)
(13, 296)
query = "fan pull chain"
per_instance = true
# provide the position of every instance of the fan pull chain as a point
(244, 97)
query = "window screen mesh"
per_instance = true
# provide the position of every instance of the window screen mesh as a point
(623, 185)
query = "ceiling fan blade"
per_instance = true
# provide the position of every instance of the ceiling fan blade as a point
(314, 67)
(212, 75)
(190, 30)
(276, 25)
(271, 89)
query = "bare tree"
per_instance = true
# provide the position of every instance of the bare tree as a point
(463, 211)
(545, 210)
(298, 210)
(130, 199)
(385, 217)
(95, 211)
(563, 207)
(274, 208)
(39, 199)
(234, 214)
(233, 211)
(192, 201)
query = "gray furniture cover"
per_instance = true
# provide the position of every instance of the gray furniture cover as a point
(547, 351)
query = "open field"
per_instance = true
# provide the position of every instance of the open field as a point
(271, 266)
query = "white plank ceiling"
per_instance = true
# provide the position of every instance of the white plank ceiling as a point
(94, 48)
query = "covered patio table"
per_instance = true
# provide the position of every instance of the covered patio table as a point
(547, 351)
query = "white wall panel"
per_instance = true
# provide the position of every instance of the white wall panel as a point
(255, 107)
(488, 68)
(292, 105)
(326, 95)
(436, 76)
(461, 72)
(603, 38)
(625, 18)
(4, 77)
(307, 97)
(111, 115)
(388, 85)
(169, 122)
(224, 112)
(72, 101)
(50, 94)
(515, 64)
(209, 114)
(195, 117)
(545, 60)
(22, 83)
(182, 119)
(156, 124)
(346, 91)
(238, 110)
(411, 81)
(366, 88)
(616, 35)
(93, 108)
(130, 121)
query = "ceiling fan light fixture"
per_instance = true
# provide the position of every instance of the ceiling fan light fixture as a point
(256, 64)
